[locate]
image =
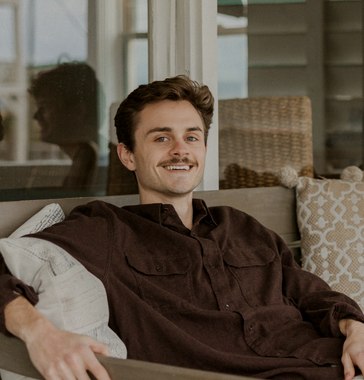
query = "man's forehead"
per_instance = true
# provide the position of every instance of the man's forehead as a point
(173, 129)
(169, 116)
(168, 104)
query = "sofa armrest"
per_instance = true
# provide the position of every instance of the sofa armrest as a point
(14, 357)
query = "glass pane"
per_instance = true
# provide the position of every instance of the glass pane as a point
(141, 52)
(232, 55)
(232, 66)
(284, 60)
(56, 91)
(7, 47)
(141, 22)
(59, 31)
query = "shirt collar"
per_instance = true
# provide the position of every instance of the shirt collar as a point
(201, 211)
(162, 213)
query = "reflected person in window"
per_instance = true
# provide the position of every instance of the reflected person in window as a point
(67, 113)
(1, 128)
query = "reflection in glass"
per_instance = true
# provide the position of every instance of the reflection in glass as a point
(1, 128)
(66, 99)
(54, 145)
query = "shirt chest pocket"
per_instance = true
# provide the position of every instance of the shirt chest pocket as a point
(258, 273)
(163, 280)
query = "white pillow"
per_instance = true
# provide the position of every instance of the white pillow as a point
(70, 297)
(46, 217)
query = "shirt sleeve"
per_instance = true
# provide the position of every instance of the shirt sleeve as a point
(85, 234)
(317, 302)
(10, 289)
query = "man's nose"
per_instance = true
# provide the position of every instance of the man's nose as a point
(179, 148)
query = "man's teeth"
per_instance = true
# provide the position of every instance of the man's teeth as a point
(178, 167)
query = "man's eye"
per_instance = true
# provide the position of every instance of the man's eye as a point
(162, 139)
(191, 138)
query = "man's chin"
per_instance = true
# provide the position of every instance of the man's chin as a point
(181, 191)
(179, 194)
(44, 135)
(49, 138)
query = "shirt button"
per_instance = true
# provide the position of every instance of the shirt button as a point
(159, 268)
(227, 307)
(213, 266)
(250, 328)
(165, 210)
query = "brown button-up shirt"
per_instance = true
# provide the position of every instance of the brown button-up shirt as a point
(224, 296)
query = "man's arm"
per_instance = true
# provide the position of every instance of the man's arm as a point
(353, 350)
(57, 354)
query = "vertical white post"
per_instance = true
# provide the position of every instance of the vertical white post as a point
(18, 91)
(105, 56)
(183, 40)
(316, 79)
(161, 39)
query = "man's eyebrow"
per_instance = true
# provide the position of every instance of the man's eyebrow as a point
(192, 129)
(169, 129)
(159, 129)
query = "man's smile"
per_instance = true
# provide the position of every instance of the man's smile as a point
(178, 164)
(184, 167)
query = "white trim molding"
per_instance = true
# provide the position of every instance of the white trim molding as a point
(183, 40)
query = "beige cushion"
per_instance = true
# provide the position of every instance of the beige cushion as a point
(331, 222)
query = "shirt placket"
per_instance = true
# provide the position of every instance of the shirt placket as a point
(214, 265)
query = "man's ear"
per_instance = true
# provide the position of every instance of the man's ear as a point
(126, 157)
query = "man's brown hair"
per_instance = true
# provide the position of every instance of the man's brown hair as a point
(177, 88)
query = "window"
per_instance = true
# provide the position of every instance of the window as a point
(232, 53)
(300, 48)
(62, 64)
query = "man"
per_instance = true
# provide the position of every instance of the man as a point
(187, 285)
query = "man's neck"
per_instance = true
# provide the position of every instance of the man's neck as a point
(182, 205)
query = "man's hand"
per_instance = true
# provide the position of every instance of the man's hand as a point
(57, 354)
(353, 350)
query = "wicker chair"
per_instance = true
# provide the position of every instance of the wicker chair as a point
(258, 136)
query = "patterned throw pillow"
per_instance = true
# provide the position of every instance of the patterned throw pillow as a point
(331, 222)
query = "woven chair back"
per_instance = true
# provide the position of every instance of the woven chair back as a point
(258, 136)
